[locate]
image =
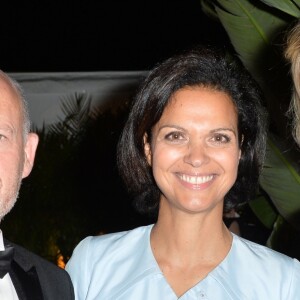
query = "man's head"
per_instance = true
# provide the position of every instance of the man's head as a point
(17, 145)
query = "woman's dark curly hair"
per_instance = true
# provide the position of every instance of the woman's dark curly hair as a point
(201, 67)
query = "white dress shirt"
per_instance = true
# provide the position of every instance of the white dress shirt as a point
(7, 289)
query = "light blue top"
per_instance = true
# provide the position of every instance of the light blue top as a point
(121, 266)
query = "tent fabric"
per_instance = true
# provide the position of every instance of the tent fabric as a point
(45, 92)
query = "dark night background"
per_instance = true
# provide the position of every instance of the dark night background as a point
(74, 189)
(46, 36)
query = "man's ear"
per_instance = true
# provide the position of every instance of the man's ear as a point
(30, 149)
(147, 149)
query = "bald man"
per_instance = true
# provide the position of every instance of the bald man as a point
(23, 275)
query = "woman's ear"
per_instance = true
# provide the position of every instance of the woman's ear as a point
(147, 149)
(241, 144)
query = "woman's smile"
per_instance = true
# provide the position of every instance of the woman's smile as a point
(195, 182)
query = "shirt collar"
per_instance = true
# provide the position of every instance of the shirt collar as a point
(1, 241)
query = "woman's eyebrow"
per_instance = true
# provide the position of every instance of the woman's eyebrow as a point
(170, 126)
(224, 129)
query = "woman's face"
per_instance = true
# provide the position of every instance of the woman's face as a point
(194, 152)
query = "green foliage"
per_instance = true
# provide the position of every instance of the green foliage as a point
(287, 6)
(281, 181)
(257, 31)
(250, 29)
(264, 210)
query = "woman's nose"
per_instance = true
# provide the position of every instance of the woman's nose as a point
(196, 155)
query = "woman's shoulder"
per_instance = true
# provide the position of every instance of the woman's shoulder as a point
(274, 274)
(112, 241)
(264, 256)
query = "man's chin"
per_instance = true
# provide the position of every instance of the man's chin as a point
(5, 209)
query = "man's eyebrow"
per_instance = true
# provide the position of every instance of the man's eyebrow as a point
(6, 128)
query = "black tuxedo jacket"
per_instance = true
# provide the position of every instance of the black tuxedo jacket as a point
(35, 278)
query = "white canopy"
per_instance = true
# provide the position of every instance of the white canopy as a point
(45, 91)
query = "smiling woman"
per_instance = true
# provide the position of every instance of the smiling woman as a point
(192, 149)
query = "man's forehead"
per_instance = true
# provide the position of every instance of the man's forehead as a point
(8, 92)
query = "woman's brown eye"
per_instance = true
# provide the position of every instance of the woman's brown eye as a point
(174, 136)
(221, 138)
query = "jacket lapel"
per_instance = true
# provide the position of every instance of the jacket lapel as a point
(24, 277)
(26, 283)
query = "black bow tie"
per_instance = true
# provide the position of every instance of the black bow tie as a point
(6, 257)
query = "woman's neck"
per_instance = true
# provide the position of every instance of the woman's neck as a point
(188, 247)
(192, 237)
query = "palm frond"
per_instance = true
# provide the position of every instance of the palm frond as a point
(287, 6)
(208, 7)
(281, 181)
(76, 109)
(264, 210)
(251, 31)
